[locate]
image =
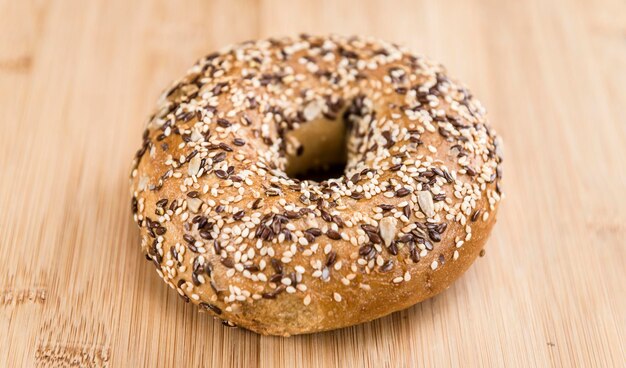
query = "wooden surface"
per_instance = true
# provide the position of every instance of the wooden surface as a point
(79, 78)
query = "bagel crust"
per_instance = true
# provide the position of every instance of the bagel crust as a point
(232, 232)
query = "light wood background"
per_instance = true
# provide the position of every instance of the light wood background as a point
(79, 78)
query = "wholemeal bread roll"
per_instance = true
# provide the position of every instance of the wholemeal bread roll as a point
(296, 185)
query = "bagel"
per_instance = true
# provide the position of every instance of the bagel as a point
(304, 184)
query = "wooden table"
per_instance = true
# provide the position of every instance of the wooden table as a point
(79, 78)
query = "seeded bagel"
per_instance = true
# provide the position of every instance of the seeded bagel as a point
(304, 184)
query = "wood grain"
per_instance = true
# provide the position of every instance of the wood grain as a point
(79, 78)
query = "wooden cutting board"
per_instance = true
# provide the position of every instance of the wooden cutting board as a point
(79, 78)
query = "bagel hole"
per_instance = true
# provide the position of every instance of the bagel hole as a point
(317, 150)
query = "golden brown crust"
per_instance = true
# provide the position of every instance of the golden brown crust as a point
(230, 231)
